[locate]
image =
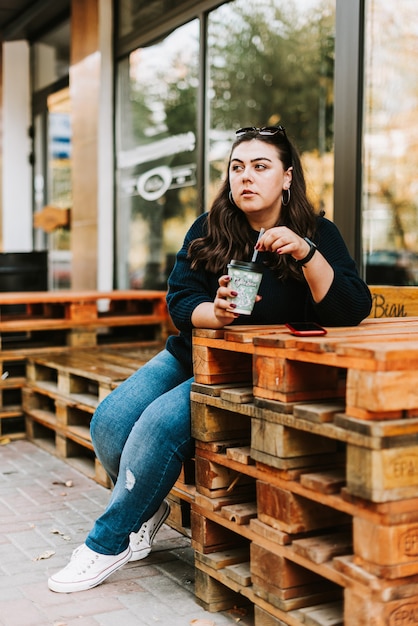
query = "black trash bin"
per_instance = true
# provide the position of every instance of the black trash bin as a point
(19, 271)
(24, 271)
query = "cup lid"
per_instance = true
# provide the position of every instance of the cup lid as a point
(246, 265)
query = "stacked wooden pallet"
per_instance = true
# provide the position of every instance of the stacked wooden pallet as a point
(317, 522)
(44, 322)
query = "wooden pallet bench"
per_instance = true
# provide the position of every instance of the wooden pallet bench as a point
(332, 427)
(61, 393)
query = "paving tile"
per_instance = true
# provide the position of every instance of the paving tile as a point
(37, 515)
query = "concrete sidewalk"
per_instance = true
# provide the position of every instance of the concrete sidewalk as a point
(42, 520)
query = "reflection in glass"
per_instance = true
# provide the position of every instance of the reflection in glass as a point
(272, 62)
(390, 207)
(137, 16)
(50, 56)
(156, 156)
(59, 186)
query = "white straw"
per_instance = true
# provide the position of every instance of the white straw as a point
(262, 230)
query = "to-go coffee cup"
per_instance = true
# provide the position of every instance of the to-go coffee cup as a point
(245, 280)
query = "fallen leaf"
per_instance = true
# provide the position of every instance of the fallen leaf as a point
(45, 555)
(55, 531)
(66, 483)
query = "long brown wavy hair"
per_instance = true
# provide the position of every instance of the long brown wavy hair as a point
(229, 234)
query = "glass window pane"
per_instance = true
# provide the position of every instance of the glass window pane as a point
(390, 163)
(59, 186)
(137, 16)
(156, 156)
(272, 62)
(51, 56)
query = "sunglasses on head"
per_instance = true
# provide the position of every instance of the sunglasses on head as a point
(265, 130)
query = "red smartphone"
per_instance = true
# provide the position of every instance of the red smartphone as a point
(306, 329)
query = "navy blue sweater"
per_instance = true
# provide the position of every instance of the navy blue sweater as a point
(347, 302)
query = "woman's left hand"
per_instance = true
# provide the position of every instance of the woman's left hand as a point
(283, 240)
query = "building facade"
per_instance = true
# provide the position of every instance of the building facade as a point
(117, 118)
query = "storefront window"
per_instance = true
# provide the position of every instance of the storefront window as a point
(267, 63)
(272, 62)
(390, 163)
(156, 156)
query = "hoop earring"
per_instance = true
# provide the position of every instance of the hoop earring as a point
(288, 197)
(231, 199)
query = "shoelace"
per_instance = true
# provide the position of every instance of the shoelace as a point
(87, 562)
(141, 536)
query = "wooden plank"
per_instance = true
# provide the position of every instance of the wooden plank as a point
(219, 560)
(291, 513)
(313, 594)
(214, 389)
(391, 301)
(327, 481)
(240, 513)
(270, 569)
(284, 442)
(216, 503)
(403, 429)
(318, 412)
(294, 466)
(323, 548)
(264, 618)
(34, 324)
(213, 595)
(239, 573)
(273, 535)
(240, 455)
(246, 334)
(68, 296)
(238, 395)
(329, 614)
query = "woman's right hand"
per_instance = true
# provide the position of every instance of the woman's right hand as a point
(223, 308)
(218, 313)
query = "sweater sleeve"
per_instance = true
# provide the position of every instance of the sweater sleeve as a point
(348, 300)
(188, 288)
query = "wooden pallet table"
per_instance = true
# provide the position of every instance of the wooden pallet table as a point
(44, 322)
(332, 424)
(50, 318)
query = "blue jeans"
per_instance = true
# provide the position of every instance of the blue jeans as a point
(141, 435)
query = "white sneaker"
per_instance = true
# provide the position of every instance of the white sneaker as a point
(87, 569)
(141, 542)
